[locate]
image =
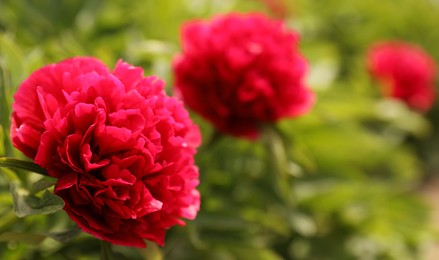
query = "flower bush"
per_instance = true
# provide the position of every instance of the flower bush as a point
(242, 71)
(121, 150)
(341, 182)
(406, 72)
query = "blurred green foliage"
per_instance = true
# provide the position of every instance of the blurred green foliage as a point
(343, 181)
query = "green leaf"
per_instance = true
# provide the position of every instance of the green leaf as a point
(25, 205)
(40, 185)
(255, 253)
(48, 202)
(23, 165)
(22, 237)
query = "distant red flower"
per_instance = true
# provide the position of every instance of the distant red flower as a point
(121, 149)
(405, 71)
(241, 71)
(278, 8)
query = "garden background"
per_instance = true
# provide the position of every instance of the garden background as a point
(353, 169)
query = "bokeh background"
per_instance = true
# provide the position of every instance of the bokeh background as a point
(357, 168)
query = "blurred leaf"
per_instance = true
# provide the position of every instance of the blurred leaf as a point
(255, 253)
(152, 252)
(303, 224)
(9, 174)
(22, 237)
(31, 205)
(400, 117)
(66, 236)
(11, 59)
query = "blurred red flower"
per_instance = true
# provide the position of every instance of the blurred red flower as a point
(121, 149)
(241, 71)
(406, 72)
(278, 8)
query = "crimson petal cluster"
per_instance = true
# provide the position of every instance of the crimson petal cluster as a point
(406, 72)
(240, 71)
(121, 150)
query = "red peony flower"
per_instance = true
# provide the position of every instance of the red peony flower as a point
(121, 149)
(241, 71)
(405, 71)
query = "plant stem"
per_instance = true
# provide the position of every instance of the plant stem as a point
(106, 251)
(277, 156)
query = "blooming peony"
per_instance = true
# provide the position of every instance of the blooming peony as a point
(406, 72)
(242, 71)
(121, 150)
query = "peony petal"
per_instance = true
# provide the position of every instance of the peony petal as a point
(114, 139)
(131, 119)
(129, 75)
(25, 137)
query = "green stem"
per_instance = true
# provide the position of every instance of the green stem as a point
(106, 251)
(277, 156)
(23, 165)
